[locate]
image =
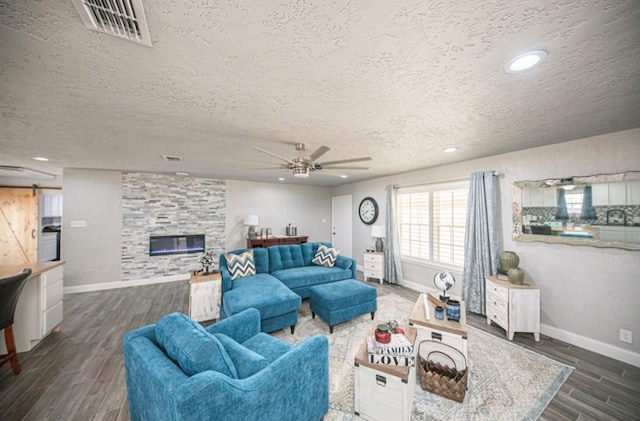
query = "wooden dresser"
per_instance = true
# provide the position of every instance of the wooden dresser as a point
(515, 308)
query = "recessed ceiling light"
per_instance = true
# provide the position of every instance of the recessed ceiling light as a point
(450, 149)
(280, 178)
(39, 158)
(182, 173)
(344, 176)
(525, 61)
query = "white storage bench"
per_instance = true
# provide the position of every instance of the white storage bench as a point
(383, 392)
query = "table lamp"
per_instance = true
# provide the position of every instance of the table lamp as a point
(377, 232)
(252, 222)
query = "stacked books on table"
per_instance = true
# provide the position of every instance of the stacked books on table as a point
(399, 351)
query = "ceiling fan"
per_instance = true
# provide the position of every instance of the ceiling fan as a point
(303, 165)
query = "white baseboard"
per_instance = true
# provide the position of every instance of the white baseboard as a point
(593, 345)
(589, 344)
(124, 284)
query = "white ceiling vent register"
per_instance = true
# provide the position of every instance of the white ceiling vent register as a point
(122, 18)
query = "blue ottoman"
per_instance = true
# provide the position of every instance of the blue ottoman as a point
(340, 301)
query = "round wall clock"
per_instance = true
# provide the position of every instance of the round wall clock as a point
(368, 210)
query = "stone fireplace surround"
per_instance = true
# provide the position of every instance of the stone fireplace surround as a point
(161, 204)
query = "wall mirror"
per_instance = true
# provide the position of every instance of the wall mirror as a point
(597, 210)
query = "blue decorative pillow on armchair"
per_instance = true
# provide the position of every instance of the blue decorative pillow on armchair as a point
(246, 361)
(195, 350)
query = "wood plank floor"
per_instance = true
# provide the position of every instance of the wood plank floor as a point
(78, 374)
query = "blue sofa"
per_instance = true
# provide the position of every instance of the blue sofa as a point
(284, 275)
(176, 370)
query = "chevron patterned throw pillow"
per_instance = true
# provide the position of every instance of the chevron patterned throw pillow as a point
(241, 265)
(325, 256)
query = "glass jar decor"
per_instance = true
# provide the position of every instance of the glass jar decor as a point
(453, 310)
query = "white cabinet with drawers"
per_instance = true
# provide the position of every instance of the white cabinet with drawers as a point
(515, 308)
(39, 308)
(374, 265)
(52, 288)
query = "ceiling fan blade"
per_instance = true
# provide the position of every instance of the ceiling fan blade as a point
(345, 161)
(343, 168)
(275, 156)
(318, 153)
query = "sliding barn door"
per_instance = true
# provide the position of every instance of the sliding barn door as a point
(18, 226)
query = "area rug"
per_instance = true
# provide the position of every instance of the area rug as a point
(506, 381)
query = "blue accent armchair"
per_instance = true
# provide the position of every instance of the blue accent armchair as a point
(178, 370)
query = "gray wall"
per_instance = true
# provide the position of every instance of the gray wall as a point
(92, 253)
(585, 291)
(277, 205)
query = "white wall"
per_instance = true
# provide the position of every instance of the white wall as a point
(587, 293)
(92, 253)
(277, 205)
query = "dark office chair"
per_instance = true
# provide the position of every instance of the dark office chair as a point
(10, 289)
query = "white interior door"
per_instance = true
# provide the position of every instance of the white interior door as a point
(341, 216)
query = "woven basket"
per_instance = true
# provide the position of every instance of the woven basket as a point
(441, 379)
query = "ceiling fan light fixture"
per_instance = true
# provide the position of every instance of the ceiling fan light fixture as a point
(300, 172)
(525, 61)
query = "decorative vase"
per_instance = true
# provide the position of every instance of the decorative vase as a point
(516, 276)
(509, 260)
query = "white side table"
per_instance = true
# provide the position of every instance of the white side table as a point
(204, 297)
(374, 265)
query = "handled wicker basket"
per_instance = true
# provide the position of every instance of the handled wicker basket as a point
(442, 379)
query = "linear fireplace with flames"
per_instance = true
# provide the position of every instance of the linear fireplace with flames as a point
(162, 245)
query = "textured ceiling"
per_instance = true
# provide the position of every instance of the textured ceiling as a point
(394, 80)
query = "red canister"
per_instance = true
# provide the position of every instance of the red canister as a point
(382, 334)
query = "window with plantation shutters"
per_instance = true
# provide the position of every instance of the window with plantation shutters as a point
(432, 222)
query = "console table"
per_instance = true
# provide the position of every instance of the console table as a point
(276, 240)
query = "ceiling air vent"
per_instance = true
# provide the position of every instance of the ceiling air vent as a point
(122, 18)
(170, 158)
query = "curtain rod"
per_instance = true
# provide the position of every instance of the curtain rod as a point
(451, 180)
